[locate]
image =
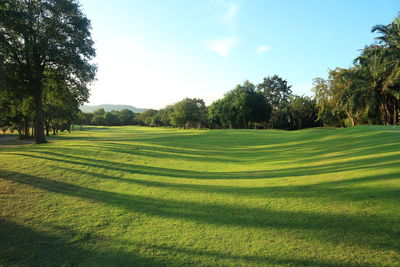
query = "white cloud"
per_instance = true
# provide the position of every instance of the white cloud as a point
(222, 46)
(231, 13)
(263, 48)
(228, 18)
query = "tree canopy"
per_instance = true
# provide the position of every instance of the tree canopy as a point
(45, 46)
(369, 91)
(46, 53)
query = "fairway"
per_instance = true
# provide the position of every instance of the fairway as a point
(136, 196)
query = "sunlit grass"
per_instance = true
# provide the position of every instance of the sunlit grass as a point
(126, 196)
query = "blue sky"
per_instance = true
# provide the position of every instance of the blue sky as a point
(156, 52)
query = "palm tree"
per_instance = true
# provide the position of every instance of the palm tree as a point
(389, 40)
(390, 34)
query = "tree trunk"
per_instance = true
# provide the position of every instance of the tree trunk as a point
(387, 115)
(25, 129)
(39, 120)
(47, 126)
(353, 123)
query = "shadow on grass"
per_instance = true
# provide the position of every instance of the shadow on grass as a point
(379, 161)
(301, 148)
(335, 190)
(12, 141)
(115, 134)
(23, 246)
(369, 230)
(248, 259)
(363, 230)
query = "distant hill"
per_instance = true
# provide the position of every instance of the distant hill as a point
(109, 107)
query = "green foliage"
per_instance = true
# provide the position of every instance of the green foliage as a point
(147, 117)
(189, 113)
(99, 112)
(277, 92)
(45, 69)
(163, 116)
(328, 114)
(242, 107)
(368, 92)
(101, 117)
(45, 44)
(126, 117)
(60, 107)
(246, 106)
(84, 118)
(98, 120)
(303, 112)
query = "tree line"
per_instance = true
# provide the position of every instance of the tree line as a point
(269, 104)
(46, 53)
(366, 93)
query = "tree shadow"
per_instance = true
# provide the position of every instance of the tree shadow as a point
(361, 229)
(302, 147)
(12, 141)
(251, 259)
(23, 246)
(342, 190)
(378, 161)
(337, 229)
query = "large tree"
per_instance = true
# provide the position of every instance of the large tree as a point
(303, 112)
(241, 107)
(348, 93)
(389, 40)
(329, 113)
(277, 92)
(47, 40)
(189, 112)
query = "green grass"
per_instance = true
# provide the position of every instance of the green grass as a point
(128, 196)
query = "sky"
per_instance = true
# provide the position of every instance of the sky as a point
(151, 53)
